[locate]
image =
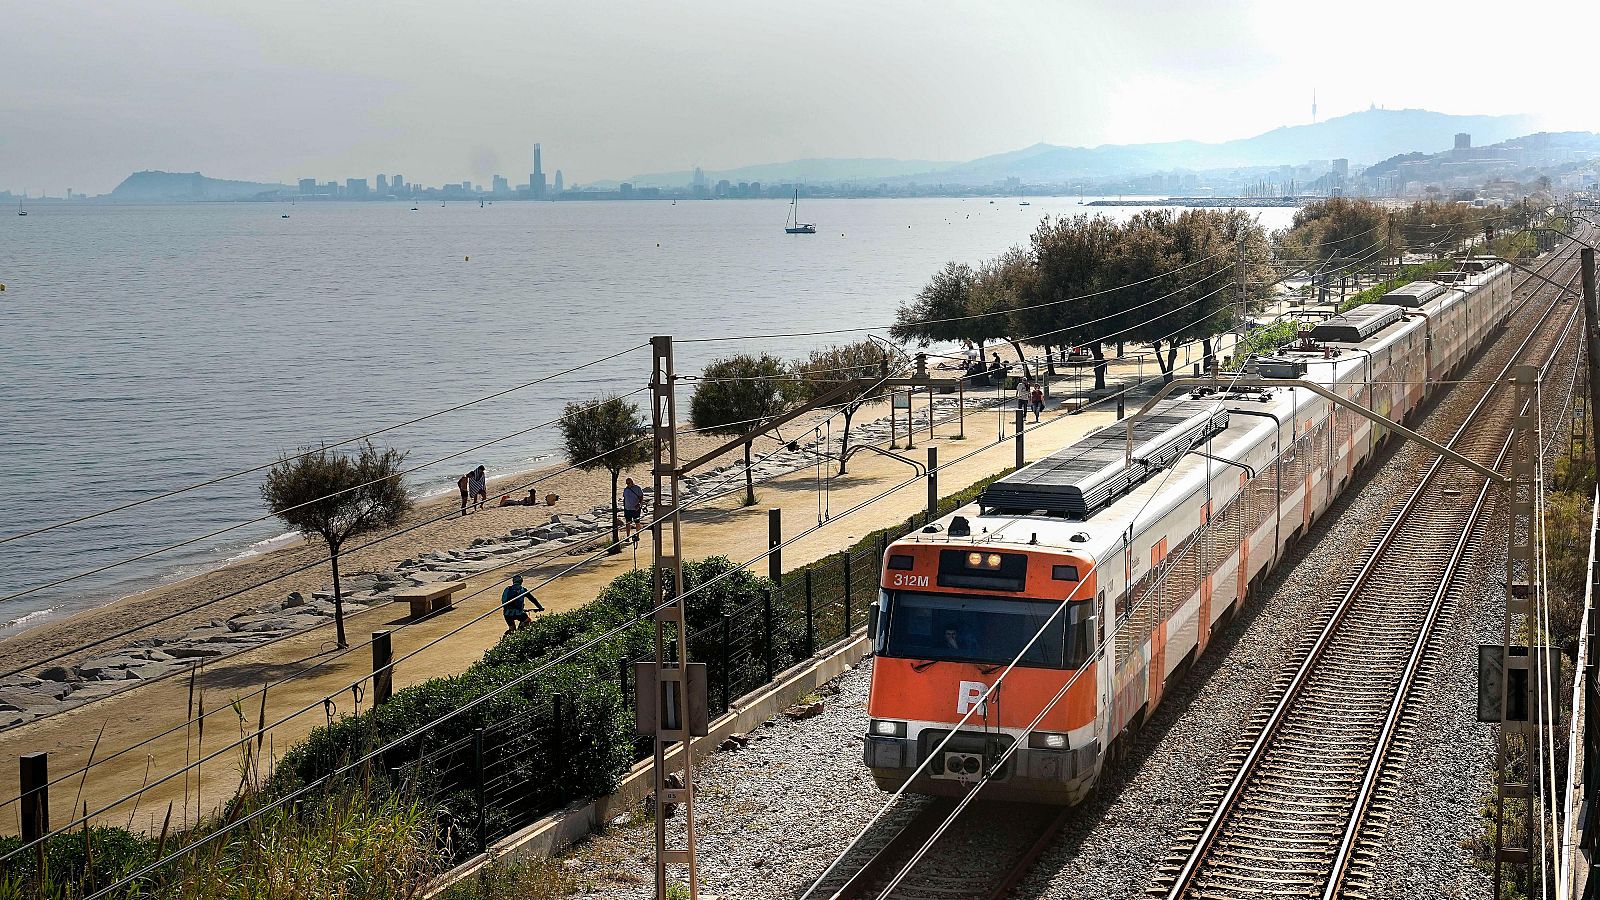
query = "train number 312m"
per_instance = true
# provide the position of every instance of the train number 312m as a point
(901, 579)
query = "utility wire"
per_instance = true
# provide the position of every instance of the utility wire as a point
(263, 466)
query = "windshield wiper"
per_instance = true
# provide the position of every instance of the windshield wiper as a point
(991, 669)
(919, 666)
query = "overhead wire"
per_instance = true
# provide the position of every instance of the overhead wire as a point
(327, 446)
(970, 795)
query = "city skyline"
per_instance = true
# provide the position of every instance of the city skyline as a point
(298, 88)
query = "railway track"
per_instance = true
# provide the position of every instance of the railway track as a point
(1291, 819)
(990, 849)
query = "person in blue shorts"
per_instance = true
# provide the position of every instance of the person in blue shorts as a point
(512, 605)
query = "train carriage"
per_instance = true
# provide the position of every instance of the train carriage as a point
(1105, 567)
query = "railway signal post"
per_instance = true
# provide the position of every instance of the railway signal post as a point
(669, 689)
(1517, 725)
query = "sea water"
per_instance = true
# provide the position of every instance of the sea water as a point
(146, 348)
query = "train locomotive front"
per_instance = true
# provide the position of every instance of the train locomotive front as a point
(951, 614)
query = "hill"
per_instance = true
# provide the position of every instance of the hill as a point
(1361, 137)
(1366, 136)
(151, 186)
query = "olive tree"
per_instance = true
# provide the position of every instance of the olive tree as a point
(606, 433)
(830, 368)
(740, 395)
(337, 496)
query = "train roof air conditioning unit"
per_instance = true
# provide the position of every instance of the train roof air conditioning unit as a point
(1277, 367)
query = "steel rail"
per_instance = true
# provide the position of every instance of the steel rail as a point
(1375, 765)
(990, 884)
(1227, 804)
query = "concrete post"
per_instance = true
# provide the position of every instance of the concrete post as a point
(933, 483)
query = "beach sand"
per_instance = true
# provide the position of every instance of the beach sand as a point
(319, 677)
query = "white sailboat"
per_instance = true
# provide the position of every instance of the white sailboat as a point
(793, 225)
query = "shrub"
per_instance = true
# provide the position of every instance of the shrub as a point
(75, 863)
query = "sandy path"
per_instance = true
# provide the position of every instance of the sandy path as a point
(718, 528)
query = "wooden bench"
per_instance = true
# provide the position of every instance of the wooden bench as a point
(430, 597)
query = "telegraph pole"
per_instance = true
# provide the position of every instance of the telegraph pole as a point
(1591, 330)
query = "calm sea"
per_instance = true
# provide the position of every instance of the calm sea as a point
(151, 347)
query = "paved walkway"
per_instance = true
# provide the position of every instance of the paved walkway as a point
(719, 528)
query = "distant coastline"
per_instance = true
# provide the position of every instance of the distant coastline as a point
(1227, 202)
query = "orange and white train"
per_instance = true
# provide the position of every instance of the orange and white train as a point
(1149, 539)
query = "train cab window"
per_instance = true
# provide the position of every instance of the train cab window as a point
(986, 630)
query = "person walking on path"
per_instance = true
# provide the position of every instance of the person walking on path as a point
(632, 509)
(464, 483)
(512, 601)
(1037, 398)
(479, 484)
(1024, 394)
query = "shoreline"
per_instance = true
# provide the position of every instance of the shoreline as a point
(240, 573)
(226, 555)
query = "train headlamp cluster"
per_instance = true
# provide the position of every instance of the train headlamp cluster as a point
(888, 728)
(983, 560)
(1047, 740)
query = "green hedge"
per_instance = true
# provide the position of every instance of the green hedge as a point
(531, 762)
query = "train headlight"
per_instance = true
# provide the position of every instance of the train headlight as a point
(1045, 740)
(888, 728)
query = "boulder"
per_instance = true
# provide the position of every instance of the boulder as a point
(805, 710)
(199, 651)
(56, 673)
(109, 666)
(294, 599)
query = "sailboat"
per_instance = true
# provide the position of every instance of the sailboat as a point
(20, 210)
(793, 225)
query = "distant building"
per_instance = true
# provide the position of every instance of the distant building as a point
(355, 188)
(383, 185)
(397, 183)
(1463, 141)
(1340, 168)
(501, 185)
(723, 187)
(560, 184)
(536, 180)
(755, 188)
(625, 189)
(308, 186)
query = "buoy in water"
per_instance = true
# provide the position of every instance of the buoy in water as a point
(467, 258)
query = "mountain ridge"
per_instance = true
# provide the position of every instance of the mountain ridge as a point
(1362, 137)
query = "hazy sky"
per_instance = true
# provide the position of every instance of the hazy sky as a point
(446, 91)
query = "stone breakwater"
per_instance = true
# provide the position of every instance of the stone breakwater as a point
(26, 697)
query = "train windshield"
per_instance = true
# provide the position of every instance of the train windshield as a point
(986, 630)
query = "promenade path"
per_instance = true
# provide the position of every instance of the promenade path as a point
(721, 527)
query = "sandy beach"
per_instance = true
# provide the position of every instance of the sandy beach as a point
(139, 730)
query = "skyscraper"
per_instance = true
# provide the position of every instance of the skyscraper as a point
(501, 186)
(383, 184)
(560, 185)
(536, 180)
